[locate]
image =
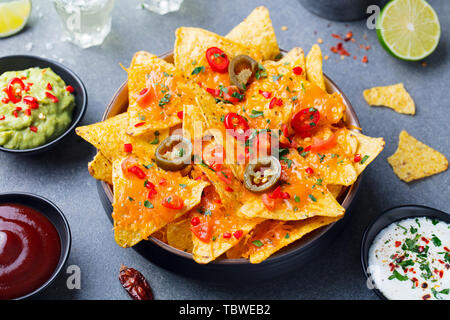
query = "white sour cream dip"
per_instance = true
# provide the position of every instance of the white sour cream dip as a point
(410, 260)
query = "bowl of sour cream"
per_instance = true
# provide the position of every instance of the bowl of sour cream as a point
(405, 254)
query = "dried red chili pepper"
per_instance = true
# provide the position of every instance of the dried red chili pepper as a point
(135, 284)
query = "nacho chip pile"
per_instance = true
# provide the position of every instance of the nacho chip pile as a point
(209, 206)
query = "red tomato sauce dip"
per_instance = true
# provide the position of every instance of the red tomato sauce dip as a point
(29, 250)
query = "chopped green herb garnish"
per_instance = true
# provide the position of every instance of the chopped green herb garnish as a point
(197, 70)
(257, 243)
(148, 204)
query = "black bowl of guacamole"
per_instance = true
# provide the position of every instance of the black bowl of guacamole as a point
(62, 101)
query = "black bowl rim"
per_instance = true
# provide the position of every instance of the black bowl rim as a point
(364, 253)
(75, 122)
(64, 255)
(351, 193)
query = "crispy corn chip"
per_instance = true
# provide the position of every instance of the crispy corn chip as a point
(110, 136)
(311, 197)
(158, 107)
(179, 235)
(395, 97)
(136, 213)
(368, 148)
(334, 165)
(221, 220)
(335, 190)
(272, 235)
(295, 57)
(189, 55)
(314, 67)
(256, 31)
(100, 168)
(415, 160)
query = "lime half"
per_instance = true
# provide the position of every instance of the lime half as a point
(408, 29)
(13, 16)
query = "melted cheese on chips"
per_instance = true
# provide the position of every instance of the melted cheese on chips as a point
(137, 214)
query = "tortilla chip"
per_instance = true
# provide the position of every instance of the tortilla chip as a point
(295, 57)
(314, 67)
(369, 148)
(222, 220)
(179, 235)
(308, 196)
(110, 136)
(256, 31)
(335, 190)
(100, 168)
(395, 97)
(136, 216)
(415, 160)
(189, 55)
(334, 165)
(168, 92)
(271, 235)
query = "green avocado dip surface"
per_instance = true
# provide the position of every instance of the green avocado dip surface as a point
(35, 107)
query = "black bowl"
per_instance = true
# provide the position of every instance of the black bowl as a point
(388, 217)
(21, 62)
(55, 216)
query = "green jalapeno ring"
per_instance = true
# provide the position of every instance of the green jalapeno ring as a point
(253, 172)
(241, 69)
(178, 161)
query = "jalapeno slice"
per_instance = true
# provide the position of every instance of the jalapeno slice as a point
(174, 153)
(263, 174)
(241, 69)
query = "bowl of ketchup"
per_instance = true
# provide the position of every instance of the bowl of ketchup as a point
(34, 244)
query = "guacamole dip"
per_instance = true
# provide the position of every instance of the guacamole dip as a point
(35, 107)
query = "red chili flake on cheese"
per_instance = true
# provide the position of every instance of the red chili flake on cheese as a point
(297, 70)
(238, 234)
(180, 114)
(128, 147)
(139, 124)
(226, 235)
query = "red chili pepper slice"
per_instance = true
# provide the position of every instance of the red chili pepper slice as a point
(226, 235)
(51, 97)
(180, 115)
(139, 124)
(138, 172)
(33, 128)
(195, 221)
(2, 117)
(238, 234)
(297, 71)
(233, 121)
(202, 231)
(322, 145)
(309, 170)
(127, 147)
(70, 89)
(15, 114)
(357, 158)
(5, 100)
(305, 120)
(144, 98)
(173, 202)
(49, 87)
(265, 94)
(217, 59)
(32, 102)
(14, 94)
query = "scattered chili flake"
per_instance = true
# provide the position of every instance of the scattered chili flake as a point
(27, 112)
(334, 35)
(195, 221)
(320, 40)
(226, 235)
(51, 97)
(284, 28)
(70, 89)
(365, 59)
(309, 170)
(398, 243)
(15, 113)
(297, 70)
(33, 128)
(180, 114)
(49, 87)
(357, 158)
(348, 36)
(139, 124)
(265, 94)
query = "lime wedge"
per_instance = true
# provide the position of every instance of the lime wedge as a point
(13, 16)
(408, 29)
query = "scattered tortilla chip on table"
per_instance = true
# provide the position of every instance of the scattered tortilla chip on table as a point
(314, 67)
(415, 160)
(257, 31)
(142, 205)
(395, 97)
(368, 149)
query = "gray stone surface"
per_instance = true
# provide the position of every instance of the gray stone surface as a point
(62, 176)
